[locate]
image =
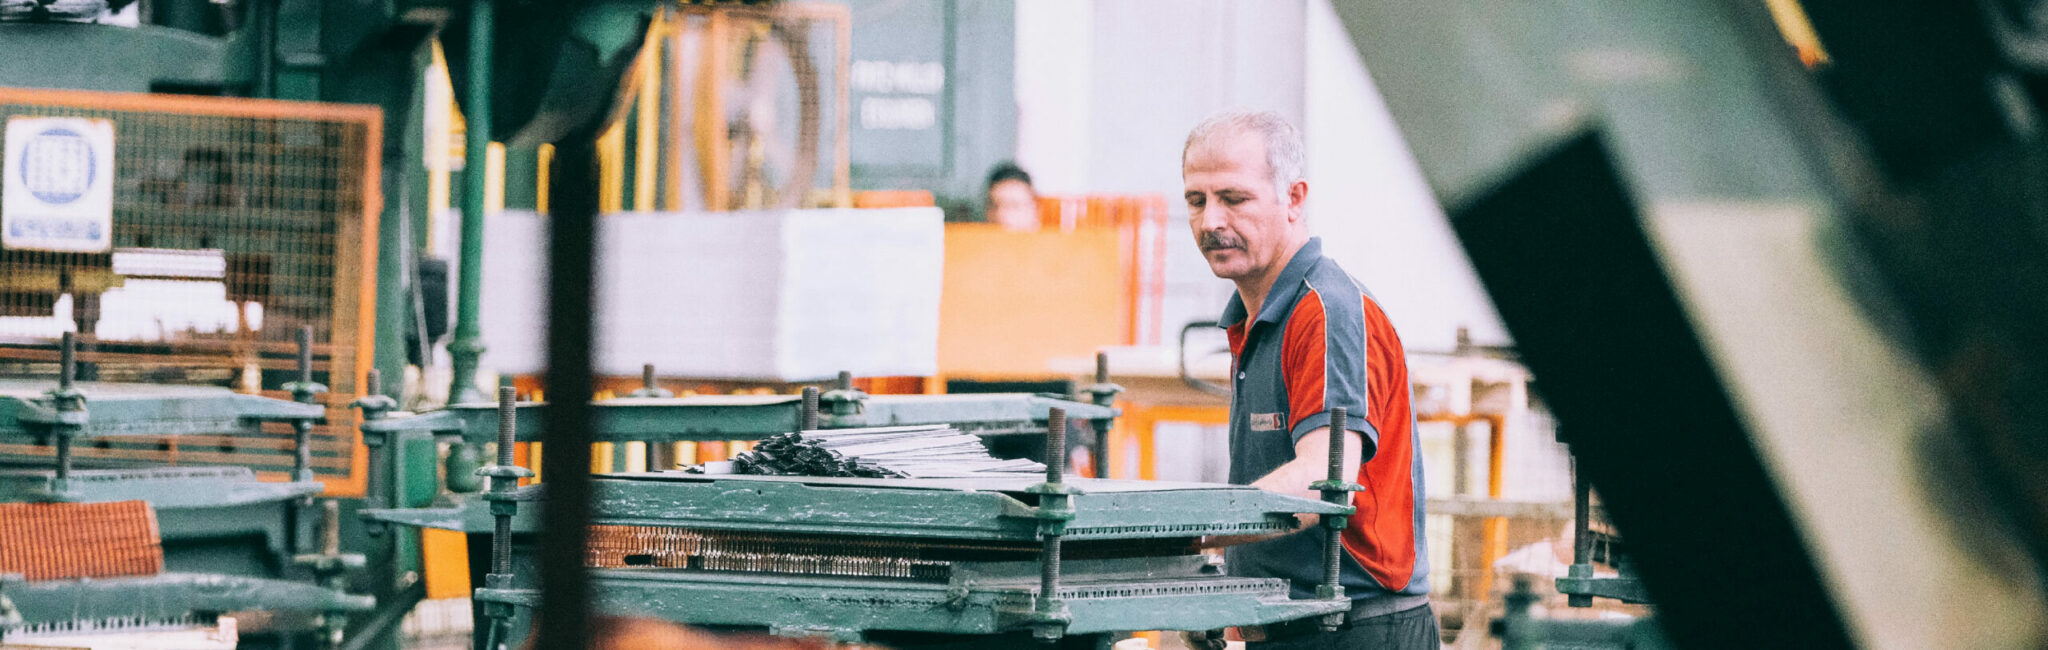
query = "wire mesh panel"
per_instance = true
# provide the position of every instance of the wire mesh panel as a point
(236, 222)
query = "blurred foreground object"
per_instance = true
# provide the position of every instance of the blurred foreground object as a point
(1788, 317)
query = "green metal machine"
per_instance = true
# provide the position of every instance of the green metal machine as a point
(901, 561)
(954, 557)
(230, 542)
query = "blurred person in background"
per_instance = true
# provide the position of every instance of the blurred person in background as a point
(1012, 201)
(1306, 338)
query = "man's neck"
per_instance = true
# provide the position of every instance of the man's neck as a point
(1253, 290)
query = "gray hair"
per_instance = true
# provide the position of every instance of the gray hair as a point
(1283, 141)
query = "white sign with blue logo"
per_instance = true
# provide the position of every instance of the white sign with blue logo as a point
(59, 189)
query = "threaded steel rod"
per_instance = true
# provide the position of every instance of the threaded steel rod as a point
(1333, 541)
(330, 527)
(501, 539)
(810, 412)
(67, 377)
(1582, 530)
(508, 414)
(63, 456)
(1055, 445)
(67, 362)
(1049, 572)
(302, 429)
(306, 353)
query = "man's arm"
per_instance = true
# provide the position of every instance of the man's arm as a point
(1312, 463)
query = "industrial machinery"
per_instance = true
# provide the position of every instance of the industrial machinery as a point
(406, 490)
(199, 541)
(945, 562)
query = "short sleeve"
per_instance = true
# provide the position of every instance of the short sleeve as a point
(1323, 358)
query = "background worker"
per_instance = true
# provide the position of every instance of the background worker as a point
(1012, 200)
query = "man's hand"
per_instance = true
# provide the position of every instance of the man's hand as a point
(1204, 639)
(1214, 542)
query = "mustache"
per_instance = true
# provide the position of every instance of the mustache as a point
(1215, 240)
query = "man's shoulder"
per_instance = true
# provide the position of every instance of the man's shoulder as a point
(1341, 295)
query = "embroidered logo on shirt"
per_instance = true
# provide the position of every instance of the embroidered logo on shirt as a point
(1265, 421)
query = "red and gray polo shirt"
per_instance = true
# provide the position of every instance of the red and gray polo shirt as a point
(1320, 341)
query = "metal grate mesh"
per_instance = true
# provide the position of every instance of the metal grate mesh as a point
(235, 223)
(55, 541)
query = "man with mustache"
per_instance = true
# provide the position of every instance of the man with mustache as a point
(1305, 338)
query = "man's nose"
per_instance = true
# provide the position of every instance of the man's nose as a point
(1205, 220)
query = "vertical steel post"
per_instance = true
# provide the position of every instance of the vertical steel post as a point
(809, 421)
(1336, 491)
(468, 345)
(1102, 393)
(1055, 509)
(504, 505)
(1055, 474)
(572, 239)
(501, 540)
(1582, 535)
(70, 407)
(302, 391)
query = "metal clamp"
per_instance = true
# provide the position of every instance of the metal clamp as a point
(844, 401)
(374, 403)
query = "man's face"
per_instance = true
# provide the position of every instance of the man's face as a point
(1240, 221)
(1014, 205)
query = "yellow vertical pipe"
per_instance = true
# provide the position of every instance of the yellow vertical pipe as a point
(611, 169)
(547, 160)
(1493, 533)
(671, 146)
(709, 132)
(647, 145)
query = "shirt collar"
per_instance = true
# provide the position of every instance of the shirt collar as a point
(1285, 290)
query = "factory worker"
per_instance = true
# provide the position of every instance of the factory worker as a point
(1305, 337)
(1012, 200)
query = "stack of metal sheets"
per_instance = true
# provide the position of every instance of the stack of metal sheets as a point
(917, 451)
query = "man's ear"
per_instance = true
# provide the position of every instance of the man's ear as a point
(1297, 198)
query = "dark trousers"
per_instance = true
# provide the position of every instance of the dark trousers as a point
(1412, 629)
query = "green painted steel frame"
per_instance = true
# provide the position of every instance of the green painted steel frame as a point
(980, 509)
(140, 409)
(816, 603)
(167, 596)
(681, 419)
(165, 488)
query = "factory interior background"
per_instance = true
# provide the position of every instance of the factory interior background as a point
(1720, 319)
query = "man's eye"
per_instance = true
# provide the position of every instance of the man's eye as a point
(1233, 200)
